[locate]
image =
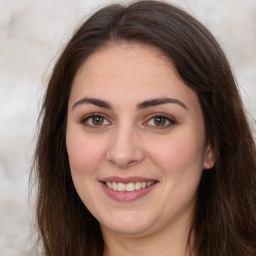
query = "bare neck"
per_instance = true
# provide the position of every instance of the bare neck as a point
(168, 241)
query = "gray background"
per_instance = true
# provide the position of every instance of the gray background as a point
(32, 33)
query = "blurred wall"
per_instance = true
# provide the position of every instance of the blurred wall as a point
(32, 32)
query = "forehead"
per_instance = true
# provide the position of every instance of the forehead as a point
(128, 72)
(126, 50)
(124, 58)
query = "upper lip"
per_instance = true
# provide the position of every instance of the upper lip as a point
(126, 180)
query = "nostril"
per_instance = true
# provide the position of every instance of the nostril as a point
(123, 159)
(122, 163)
(124, 151)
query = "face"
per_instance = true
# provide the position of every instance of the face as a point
(135, 140)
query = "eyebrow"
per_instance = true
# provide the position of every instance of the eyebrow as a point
(160, 101)
(142, 105)
(93, 101)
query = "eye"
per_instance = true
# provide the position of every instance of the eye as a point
(160, 121)
(95, 120)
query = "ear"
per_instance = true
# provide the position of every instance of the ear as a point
(209, 157)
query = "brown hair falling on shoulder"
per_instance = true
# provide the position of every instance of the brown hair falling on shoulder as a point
(224, 220)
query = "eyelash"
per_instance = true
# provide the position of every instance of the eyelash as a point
(86, 118)
(170, 121)
(162, 116)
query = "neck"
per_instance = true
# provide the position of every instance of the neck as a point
(165, 242)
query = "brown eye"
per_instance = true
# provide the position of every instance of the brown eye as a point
(160, 121)
(95, 120)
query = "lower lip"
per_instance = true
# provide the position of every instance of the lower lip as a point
(125, 195)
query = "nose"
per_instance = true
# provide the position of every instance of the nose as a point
(124, 148)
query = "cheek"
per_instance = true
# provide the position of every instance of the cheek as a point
(84, 153)
(177, 154)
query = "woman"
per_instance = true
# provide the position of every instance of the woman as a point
(144, 147)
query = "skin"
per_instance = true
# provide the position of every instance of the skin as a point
(130, 141)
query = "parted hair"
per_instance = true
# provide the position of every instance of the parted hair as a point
(224, 217)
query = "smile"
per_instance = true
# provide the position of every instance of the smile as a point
(128, 187)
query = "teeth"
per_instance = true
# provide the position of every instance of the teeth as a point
(138, 185)
(120, 186)
(114, 186)
(149, 183)
(130, 187)
(109, 184)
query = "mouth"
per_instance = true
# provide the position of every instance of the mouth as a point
(127, 189)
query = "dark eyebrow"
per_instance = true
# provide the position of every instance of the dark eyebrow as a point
(143, 105)
(160, 101)
(96, 102)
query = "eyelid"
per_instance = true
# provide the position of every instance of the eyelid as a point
(94, 114)
(170, 119)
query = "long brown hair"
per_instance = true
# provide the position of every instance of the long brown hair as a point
(224, 220)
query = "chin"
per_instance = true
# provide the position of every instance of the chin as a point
(127, 229)
(128, 224)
